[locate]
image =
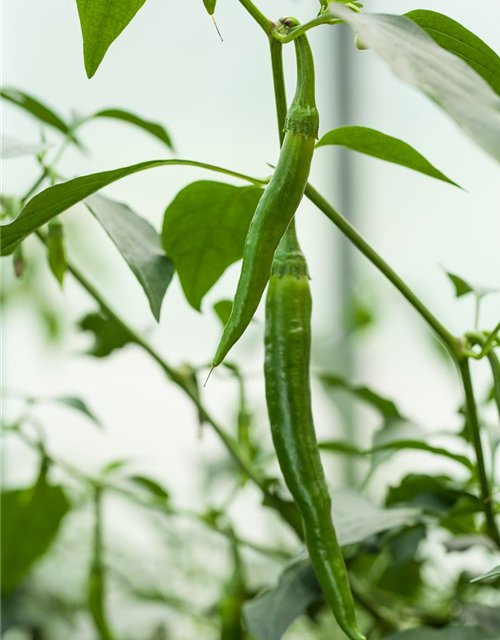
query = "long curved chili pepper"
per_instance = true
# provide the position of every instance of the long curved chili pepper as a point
(288, 393)
(280, 200)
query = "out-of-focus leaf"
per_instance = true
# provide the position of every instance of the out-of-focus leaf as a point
(493, 573)
(443, 76)
(151, 486)
(357, 518)
(454, 37)
(56, 253)
(270, 614)
(79, 405)
(108, 335)
(34, 107)
(403, 580)
(154, 128)
(463, 287)
(204, 231)
(30, 522)
(380, 145)
(454, 632)
(223, 310)
(114, 465)
(464, 542)
(486, 617)
(139, 244)
(386, 407)
(102, 21)
(404, 545)
(13, 148)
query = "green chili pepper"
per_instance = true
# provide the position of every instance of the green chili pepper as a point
(288, 392)
(280, 200)
(231, 605)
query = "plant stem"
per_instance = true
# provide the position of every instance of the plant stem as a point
(279, 85)
(181, 381)
(495, 370)
(362, 245)
(258, 16)
(298, 31)
(488, 345)
(475, 435)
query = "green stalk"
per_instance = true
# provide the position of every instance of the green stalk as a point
(279, 85)
(495, 370)
(362, 245)
(258, 16)
(475, 435)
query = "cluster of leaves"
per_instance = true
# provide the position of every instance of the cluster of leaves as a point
(203, 234)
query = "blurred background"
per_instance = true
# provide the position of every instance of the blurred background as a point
(216, 100)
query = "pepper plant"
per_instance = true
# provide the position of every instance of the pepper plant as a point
(370, 565)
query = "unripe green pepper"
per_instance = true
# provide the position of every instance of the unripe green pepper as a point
(280, 200)
(288, 393)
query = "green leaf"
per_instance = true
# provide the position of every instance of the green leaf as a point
(223, 310)
(108, 336)
(54, 200)
(56, 253)
(451, 35)
(102, 21)
(486, 617)
(462, 287)
(269, 615)
(79, 405)
(114, 465)
(154, 128)
(13, 148)
(35, 108)
(386, 407)
(30, 522)
(443, 76)
(139, 244)
(453, 632)
(151, 486)
(204, 232)
(210, 6)
(379, 145)
(493, 573)
(356, 518)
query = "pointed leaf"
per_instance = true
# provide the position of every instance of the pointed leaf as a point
(454, 37)
(379, 145)
(13, 148)
(30, 522)
(102, 21)
(35, 108)
(54, 200)
(462, 287)
(151, 486)
(139, 244)
(385, 406)
(155, 129)
(443, 76)
(204, 231)
(210, 6)
(79, 405)
(493, 573)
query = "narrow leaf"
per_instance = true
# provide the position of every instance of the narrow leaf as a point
(54, 200)
(56, 253)
(462, 287)
(78, 405)
(379, 145)
(155, 129)
(151, 486)
(102, 21)
(443, 76)
(454, 37)
(386, 407)
(13, 148)
(107, 335)
(204, 231)
(493, 573)
(40, 111)
(139, 244)
(30, 522)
